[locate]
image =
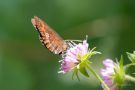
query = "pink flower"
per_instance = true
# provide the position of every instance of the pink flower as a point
(108, 73)
(72, 56)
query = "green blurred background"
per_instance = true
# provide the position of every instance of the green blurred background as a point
(26, 65)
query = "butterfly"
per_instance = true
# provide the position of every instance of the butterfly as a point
(48, 37)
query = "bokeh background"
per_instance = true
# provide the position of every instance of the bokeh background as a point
(26, 65)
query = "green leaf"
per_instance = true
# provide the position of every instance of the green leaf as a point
(131, 57)
(83, 70)
(75, 73)
(119, 75)
(121, 62)
(92, 53)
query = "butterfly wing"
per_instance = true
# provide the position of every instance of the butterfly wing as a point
(49, 38)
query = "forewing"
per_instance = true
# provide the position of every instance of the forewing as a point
(49, 38)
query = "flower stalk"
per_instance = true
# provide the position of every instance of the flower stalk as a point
(98, 77)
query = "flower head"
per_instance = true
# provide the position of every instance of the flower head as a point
(107, 73)
(113, 74)
(77, 58)
(73, 54)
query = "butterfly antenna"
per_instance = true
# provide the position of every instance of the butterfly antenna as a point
(74, 40)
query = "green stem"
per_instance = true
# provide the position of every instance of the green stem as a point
(98, 77)
(130, 78)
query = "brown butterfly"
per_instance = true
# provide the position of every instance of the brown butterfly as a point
(49, 38)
